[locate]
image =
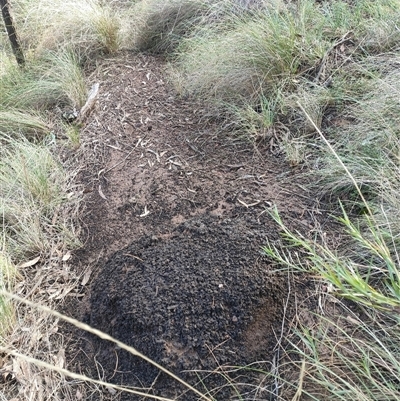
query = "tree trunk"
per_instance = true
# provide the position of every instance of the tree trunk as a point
(12, 35)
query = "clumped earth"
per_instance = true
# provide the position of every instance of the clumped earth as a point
(176, 215)
(199, 299)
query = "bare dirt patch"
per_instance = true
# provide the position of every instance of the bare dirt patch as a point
(176, 217)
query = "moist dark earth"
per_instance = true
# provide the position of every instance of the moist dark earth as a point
(191, 301)
(176, 215)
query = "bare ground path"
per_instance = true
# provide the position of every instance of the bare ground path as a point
(176, 215)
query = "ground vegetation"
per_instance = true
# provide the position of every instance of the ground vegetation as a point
(301, 95)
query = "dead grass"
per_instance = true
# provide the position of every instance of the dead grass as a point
(33, 189)
(32, 124)
(353, 356)
(39, 201)
(160, 26)
(369, 145)
(31, 362)
(87, 26)
(277, 54)
(38, 207)
(55, 79)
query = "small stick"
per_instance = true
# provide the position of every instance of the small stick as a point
(91, 100)
(250, 204)
(133, 256)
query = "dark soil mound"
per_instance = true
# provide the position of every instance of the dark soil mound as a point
(190, 302)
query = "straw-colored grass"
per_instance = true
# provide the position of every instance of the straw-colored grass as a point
(33, 187)
(254, 54)
(39, 200)
(38, 208)
(87, 26)
(354, 353)
(32, 124)
(161, 25)
(56, 78)
(279, 53)
(369, 145)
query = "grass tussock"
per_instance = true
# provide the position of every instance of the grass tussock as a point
(88, 26)
(32, 124)
(56, 79)
(255, 50)
(352, 354)
(38, 208)
(32, 97)
(369, 144)
(279, 53)
(253, 55)
(161, 26)
(33, 188)
(39, 201)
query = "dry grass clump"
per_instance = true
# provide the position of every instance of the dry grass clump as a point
(254, 64)
(351, 353)
(259, 62)
(86, 26)
(54, 82)
(33, 188)
(373, 23)
(255, 53)
(32, 124)
(368, 142)
(56, 78)
(38, 205)
(378, 25)
(38, 208)
(348, 353)
(38, 200)
(161, 26)
(355, 356)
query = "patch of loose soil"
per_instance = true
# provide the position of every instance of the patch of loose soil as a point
(175, 221)
(189, 301)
